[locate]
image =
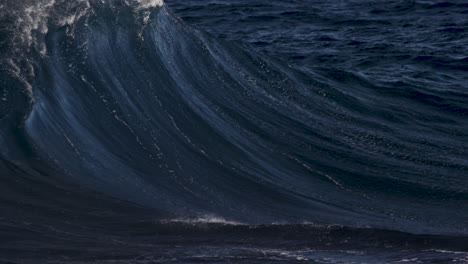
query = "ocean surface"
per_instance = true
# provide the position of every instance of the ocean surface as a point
(233, 131)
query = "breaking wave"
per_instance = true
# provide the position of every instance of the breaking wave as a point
(119, 104)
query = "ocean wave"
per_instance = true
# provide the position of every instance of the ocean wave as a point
(122, 101)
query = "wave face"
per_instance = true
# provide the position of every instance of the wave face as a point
(125, 128)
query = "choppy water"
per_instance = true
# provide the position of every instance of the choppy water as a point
(233, 131)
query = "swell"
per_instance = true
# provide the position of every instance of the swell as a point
(131, 103)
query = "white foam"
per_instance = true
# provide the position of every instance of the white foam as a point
(204, 220)
(32, 19)
(448, 251)
(70, 19)
(144, 4)
(408, 260)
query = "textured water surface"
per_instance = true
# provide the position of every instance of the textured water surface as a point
(233, 131)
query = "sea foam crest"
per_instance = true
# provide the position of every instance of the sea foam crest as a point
(204, 220)
(31, 20)
(144, 4)
(150, 3)
(33, 16)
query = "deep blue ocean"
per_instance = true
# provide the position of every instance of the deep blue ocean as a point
(233, 131)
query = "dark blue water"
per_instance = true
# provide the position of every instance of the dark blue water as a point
(233, 131)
